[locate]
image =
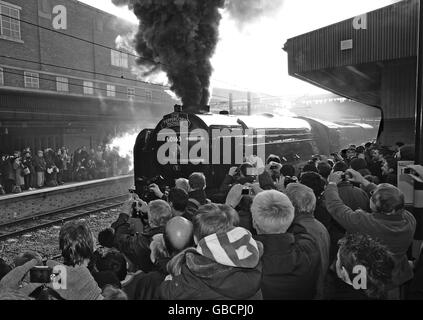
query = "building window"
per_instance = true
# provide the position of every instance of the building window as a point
(1, 77)
(10, 24)
(149, 95)
(111, 90)
(62, 84)
(119, 59)
(88, 87)
(131, 93)
(32, 80)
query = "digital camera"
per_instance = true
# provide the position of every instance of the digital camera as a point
(40, 274)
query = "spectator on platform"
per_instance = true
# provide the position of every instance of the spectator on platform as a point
(304, 202)
(30, 176)
(357, 251)
(324, 169)
(375, 165)
(389, 221)
(59, 163)
(178, 200)
(360, 151)
(136, 247)
(76, 243)
(288, 170)
(290, 261)
(183, 184)
(177, 237)
(210, 271)
(40, 168)
(389, 171)
(310, 167)
(197, 195)
(18, 169)
(114, 262)
(51, 168)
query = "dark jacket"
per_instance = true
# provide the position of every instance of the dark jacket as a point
(136, 247)
(322, 241)
(336, 289)
(395, 231)
(148, 286)
(290, 266)
(200, 274)
(416, 285)
(204, 279)
(353, 197)
(196, 199)
(39, 164)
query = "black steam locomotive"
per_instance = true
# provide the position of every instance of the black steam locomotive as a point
(184, 142)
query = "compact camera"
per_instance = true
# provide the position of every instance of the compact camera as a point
(246, 191)
(40, 274)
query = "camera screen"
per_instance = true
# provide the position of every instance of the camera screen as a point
(40, 274)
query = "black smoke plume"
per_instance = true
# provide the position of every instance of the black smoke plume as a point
(178, 37)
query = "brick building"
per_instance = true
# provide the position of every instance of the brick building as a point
(66, 78)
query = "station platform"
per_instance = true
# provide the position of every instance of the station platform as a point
(31, 203)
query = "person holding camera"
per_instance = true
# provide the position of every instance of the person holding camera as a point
(388, 221)
(135, 244)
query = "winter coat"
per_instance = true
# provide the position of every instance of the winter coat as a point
(217, 269)
(290, 266)
(396, 231)
(322, 240)
(196, 199)
(136, 247)
(39, 164)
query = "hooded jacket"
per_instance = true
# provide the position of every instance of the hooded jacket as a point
(224, 266)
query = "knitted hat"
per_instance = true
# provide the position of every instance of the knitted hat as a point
(235, 248)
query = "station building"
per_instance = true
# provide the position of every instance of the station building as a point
(68, 76)
(371, 59)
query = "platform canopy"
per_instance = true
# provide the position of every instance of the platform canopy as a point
(349, 58)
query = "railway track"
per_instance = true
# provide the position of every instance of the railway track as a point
(25, 225)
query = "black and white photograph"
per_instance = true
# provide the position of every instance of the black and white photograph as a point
(211, 155)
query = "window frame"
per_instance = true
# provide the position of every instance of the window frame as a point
(131, 96)
(62, 86)
(31, 80)
(111, 90)
(88, 87)
(14, 21)
(119, 59)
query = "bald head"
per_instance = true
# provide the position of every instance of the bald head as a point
(178, 234)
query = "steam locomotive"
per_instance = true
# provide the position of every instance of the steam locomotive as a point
(185, 141)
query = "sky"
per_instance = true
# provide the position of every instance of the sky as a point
(252, 58)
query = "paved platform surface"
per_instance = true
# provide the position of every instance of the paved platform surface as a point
(29, 203)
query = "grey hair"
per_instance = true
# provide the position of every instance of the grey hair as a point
(302, 197)
(272, 212)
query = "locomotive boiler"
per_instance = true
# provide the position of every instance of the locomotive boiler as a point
(184, 142)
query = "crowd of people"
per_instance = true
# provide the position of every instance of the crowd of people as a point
(27, 171)
(337, 228)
